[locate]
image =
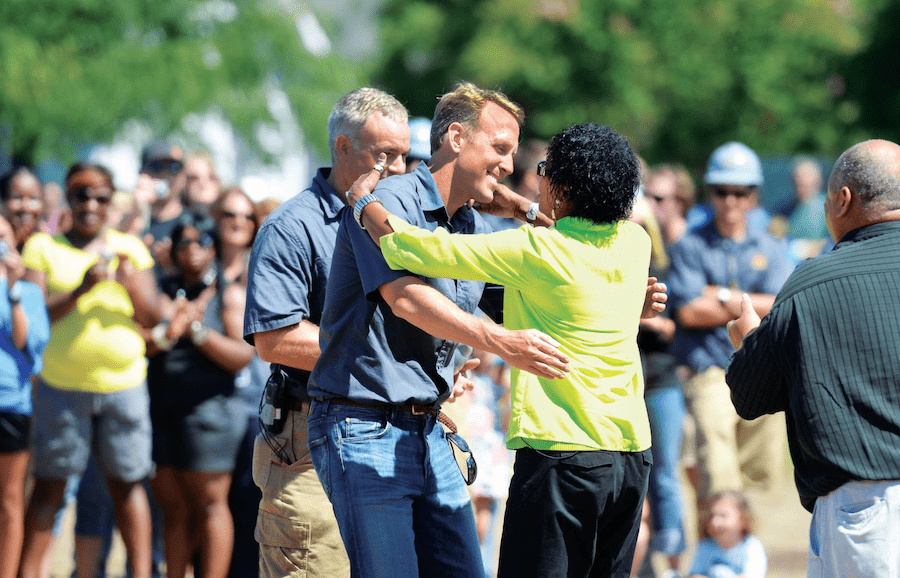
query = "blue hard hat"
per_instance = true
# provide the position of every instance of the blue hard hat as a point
(734, 163)
(419, 138)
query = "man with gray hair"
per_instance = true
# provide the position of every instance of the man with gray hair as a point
(828, 355)
(287, 277)
(388, 346)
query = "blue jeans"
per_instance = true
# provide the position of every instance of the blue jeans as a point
(398, 495)
(855, 532)
(665, 408)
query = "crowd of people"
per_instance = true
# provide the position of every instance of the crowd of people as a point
(251, 390)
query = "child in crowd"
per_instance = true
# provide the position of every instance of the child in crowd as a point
(728, 549)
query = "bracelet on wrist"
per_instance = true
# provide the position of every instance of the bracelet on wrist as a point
(15, 293)
(532, 212)
(361, 204)
(199, 332)
(158, 335)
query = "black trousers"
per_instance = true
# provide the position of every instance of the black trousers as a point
(573, 514)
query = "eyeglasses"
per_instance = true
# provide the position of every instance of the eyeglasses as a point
(29, 204)
(159, 166)
(542, 169)
(456, 441)
(83, 195)
(230, 215)
(204, 242)
(722, 192)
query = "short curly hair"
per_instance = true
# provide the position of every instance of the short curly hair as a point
(595, 169)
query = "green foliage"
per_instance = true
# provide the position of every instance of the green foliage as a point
(678, 78)
(872, 76)
(76, 70)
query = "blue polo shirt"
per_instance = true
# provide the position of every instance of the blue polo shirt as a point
(368, 353)
(289, 265)
(757, 264)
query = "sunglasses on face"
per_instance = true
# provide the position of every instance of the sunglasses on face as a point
(722, 193)
(85, 194)
(160, 166)
(30, 204)
(230, 215)
(456, 441)
(542, 168)
(204, 242)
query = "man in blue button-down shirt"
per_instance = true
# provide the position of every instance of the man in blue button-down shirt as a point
(287, 279)
(711, 266)
(388, 340)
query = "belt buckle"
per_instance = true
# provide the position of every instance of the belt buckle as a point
(417, 409)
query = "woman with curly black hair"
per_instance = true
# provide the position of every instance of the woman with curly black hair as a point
(582, 442)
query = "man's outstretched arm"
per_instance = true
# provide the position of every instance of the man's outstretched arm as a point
(425, 307)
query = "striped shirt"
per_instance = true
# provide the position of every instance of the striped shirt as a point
(828, 355)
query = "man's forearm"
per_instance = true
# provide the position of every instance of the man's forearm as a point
(708, 311)
(429, 310)
(295, 346)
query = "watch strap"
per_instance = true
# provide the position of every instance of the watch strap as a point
(361, 204)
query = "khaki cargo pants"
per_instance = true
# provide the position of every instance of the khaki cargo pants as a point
(297, 533)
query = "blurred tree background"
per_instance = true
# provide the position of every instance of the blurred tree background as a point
(677, 77)
(76, 70)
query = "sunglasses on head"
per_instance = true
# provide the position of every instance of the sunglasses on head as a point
(204, 242)
(83, 195)
(722, 192)
(162, 166)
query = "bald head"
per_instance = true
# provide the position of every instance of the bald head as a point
(871, 170)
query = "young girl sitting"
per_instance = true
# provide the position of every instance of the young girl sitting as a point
(728, 550)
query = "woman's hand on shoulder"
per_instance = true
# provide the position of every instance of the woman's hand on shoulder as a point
(367, 182)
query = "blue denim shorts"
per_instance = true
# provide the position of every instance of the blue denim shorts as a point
(205, 438)
(69, 425)
(14, 431)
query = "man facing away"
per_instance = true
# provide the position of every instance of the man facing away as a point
(287, 278)
(711, 267)
(828, 355)
(388, 340)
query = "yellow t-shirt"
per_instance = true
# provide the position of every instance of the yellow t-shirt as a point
(97, 347)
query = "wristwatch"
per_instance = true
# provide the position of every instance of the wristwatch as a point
(199, 332)
(360, 205)
(15, 293)
(532, 212)
(723, 295)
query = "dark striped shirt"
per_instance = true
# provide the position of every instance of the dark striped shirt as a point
(828, 355)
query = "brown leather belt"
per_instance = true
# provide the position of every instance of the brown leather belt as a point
(299, 404)
(415, 409)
